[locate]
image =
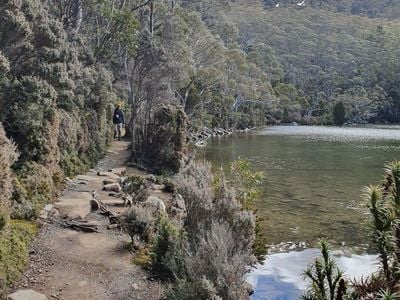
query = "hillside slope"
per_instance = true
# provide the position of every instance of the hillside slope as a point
(327, 56)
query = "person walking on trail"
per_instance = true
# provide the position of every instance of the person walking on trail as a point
(118, 120)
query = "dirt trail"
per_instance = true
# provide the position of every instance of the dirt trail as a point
(72, 265)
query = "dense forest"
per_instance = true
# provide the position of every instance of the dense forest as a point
(215, 63)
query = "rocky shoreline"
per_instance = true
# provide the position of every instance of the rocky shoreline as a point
(200, 138)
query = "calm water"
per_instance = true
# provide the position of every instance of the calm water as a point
(314, 177)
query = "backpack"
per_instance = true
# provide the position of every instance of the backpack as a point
(117, 118)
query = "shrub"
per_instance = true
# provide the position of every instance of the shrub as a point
(8, 155)
(216, 223)
(168, 249)
(138, 221)
(195, 185)
(246, 183)
(339, 113)
(72, 164)
(170, 185)
(33, 188)
(227, 265)
(133, 183)
(142, 257)
(162, 145)
(183, 290)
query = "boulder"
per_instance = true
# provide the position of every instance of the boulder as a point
(44, 214)
(110, 181)
(48, 207)
(109, 175)
(158, 187)
(128, 200)
(113, 187)
(26, 295)
(115, 195)
(178, 208)
(151, 178)
(74, 205)
(118, 171)
(179, 202)
(155, 202)
(87, 178)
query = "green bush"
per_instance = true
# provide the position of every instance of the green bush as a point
(72, 164)
(33, 188)
(168, 250)
(339, 113)
(133, 184)
(138, 221)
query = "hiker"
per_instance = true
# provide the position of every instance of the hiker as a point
(118, 120)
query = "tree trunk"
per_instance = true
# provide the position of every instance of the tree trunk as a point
(151, 19)
(78, 13)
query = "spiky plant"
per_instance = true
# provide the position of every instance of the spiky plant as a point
(366, 288)
(391, 194)
(327, 282)
(387, 295)
(382, 220)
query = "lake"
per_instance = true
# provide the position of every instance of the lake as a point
(313, 187)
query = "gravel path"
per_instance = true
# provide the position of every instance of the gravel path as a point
(71, 265)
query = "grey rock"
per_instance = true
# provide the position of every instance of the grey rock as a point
(26, 295)
(110, 181)
(159, 187)
(109, 175)
(179, 202)
(151, 178)
(118, 171)
(113, 187)
(155, 202)
(48, 207)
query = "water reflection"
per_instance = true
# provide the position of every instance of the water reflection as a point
(280, 278)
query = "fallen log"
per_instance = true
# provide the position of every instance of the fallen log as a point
(75, 225)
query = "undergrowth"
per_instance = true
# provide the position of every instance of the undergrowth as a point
(14, 243)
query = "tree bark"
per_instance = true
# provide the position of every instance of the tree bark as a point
(151, 18)
(78, 15)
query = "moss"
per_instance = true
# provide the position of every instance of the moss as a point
(14, 244)
(142, 258)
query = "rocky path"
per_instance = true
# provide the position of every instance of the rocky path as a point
(68, 264)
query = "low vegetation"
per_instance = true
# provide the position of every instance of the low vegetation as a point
(14, 242)
(218, 220)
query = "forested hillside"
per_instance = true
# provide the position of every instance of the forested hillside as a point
(317, 57)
